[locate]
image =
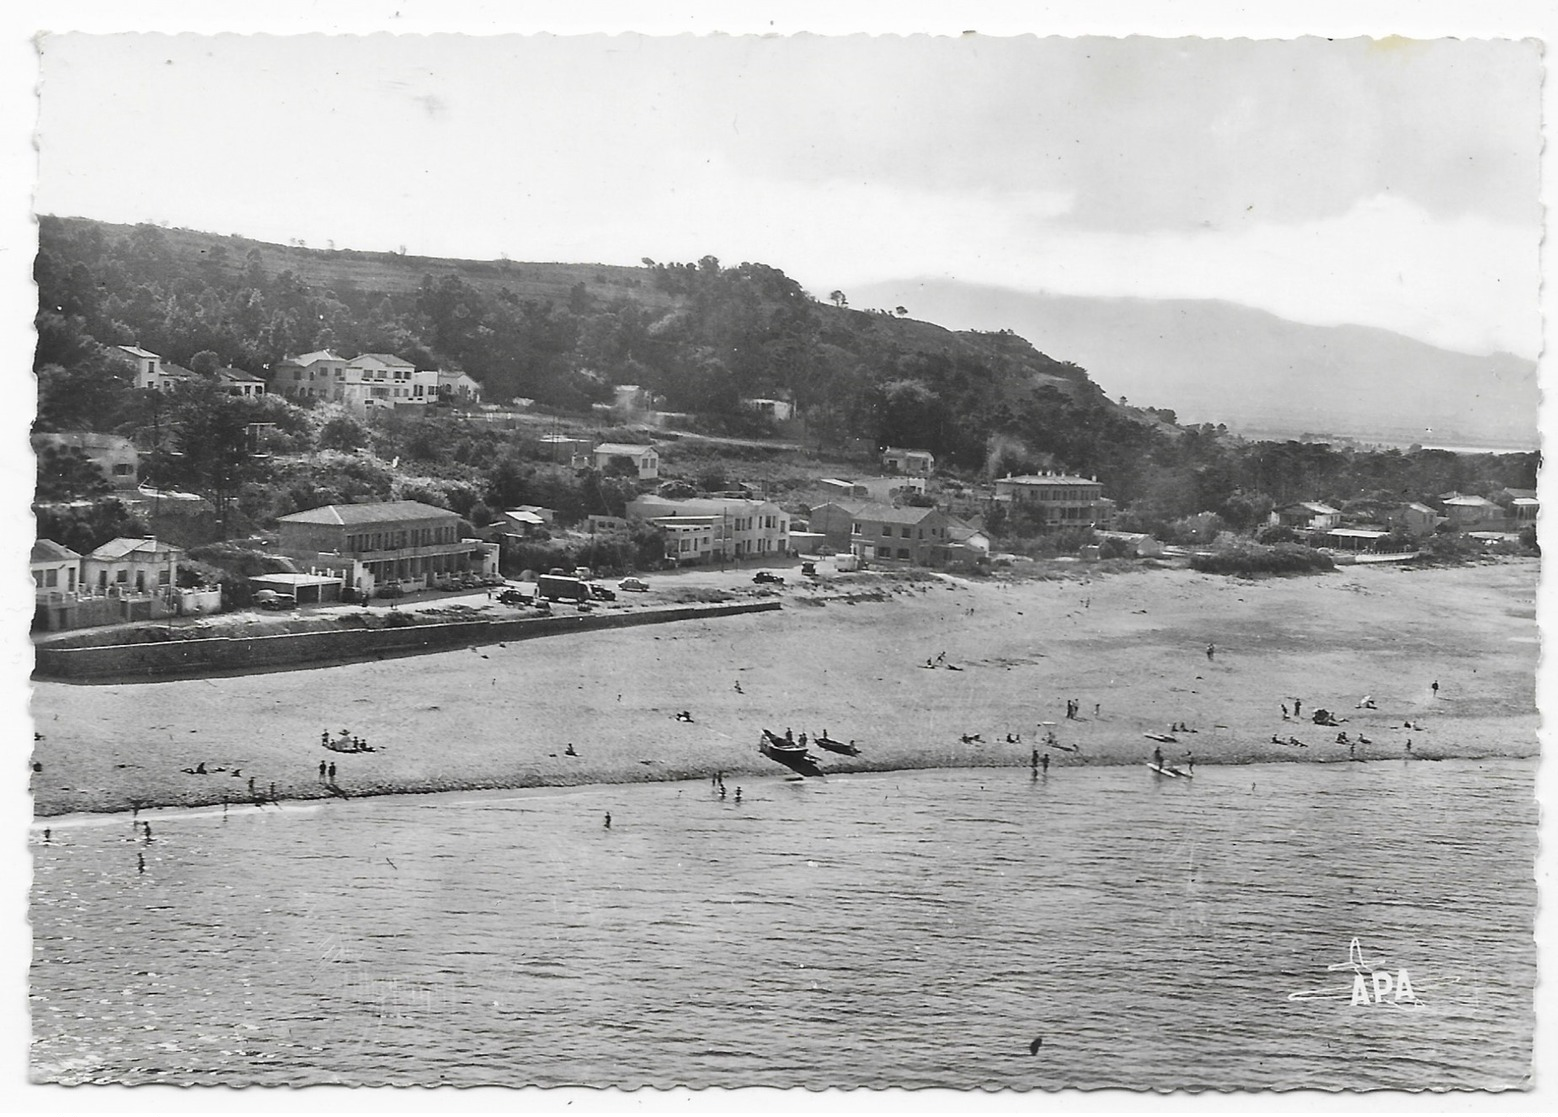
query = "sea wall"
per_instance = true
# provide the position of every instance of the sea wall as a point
(227, 655)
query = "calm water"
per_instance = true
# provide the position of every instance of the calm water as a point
(902, 929)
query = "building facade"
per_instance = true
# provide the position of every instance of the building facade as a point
(919, 536)
(645, 459)
(131, 566)
(900, 460)
(56, 569)
(320, 375)
(737, 529)
(1058, 499)
(1308, 515)
(236, 382)
(404, 542)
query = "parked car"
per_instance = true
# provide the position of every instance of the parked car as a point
(601, 593)
(270, 599)
(809, 569)
(767, 576)
(633, 585)
(391, 589)
(514, 597)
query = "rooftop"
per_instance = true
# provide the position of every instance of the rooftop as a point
(1048, 479)
(46, 550)
(237, 376)
(377, 512)
(625, 448)
(127, 545)
(887, 514)
(310, 358)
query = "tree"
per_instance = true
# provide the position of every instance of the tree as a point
(839, 299)
(205, 362)
(210, 438)
(342, 433)
(65, 473)
(84, 529)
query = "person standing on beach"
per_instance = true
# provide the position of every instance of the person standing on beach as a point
(332, 772)
(1034, 761)
(1190, 761)
(1044, 763)
(608, 820)
(1157, 756)
(1211, 650)
(1298, 706)
(1436, 688)
(47, 834)
(738, 796)
(322, 767)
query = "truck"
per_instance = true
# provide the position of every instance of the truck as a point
(842, 563)
(562, 587)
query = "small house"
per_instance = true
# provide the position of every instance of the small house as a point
(645, 459)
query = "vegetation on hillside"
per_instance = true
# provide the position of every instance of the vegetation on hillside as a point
(700, 336)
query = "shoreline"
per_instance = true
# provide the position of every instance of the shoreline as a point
(1126, 652)
(1330, 754)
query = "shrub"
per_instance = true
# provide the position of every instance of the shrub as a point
(1253, 558)
(1277, 533)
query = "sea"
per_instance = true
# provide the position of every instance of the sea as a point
(980, 927)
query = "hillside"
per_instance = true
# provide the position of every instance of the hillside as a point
(700, 336)
(1214, 361)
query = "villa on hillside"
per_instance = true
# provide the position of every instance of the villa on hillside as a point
(900, 460)
(645, 459)
(115, 457)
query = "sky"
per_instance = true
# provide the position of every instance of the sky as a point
(1390, 183)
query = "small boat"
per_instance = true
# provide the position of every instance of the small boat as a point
(1162, 771)
(1163, 737)
(850, 749)
(791, 755)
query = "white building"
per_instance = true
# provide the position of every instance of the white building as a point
(735, 528)
(645, 458)
(319, 375)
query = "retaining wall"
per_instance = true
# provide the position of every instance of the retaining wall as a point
(225, 654)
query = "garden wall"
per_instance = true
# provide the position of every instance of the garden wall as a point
(226, 655)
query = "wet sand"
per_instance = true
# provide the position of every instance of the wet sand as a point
(1133, 643)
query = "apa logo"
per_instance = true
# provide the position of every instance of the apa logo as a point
(1372, 983)
(1383, 984)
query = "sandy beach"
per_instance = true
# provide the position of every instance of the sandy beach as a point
(1128, 647)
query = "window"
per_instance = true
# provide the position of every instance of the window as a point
(884, 552)
(122, 577)
(887, 529)
(162, 577)
(52, 578)
(71, 573)
(123, 469)
(903, 552)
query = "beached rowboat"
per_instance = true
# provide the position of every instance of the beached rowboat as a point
(791, 755)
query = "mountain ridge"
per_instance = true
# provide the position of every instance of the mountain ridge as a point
(1218, 361)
